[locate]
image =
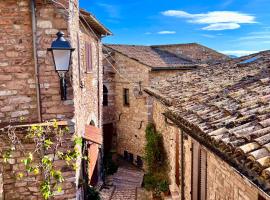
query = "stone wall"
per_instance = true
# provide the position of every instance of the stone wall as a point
(51, 19)
(18, 87)
(109, 82)
(223, 181)
(194, 51)
(132, 119)
(28, 186)
(169, 134)
(17, 74)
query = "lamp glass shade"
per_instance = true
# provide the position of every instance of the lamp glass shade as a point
(61, 59)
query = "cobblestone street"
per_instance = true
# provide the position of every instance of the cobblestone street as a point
(125, 184)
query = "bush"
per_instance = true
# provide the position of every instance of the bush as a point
(163, 186)
(92, 194)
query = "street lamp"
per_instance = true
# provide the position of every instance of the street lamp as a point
(61, 53)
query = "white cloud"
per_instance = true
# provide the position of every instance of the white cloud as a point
(260, 35)
(238, 52)
(166, 32)
(221, 26)
(216, 20)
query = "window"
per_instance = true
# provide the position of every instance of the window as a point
(199, 169)
(126, 97)
(88, 57)
(105, 96)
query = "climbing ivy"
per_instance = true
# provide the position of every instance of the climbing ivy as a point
(48, 143)
(156, 178)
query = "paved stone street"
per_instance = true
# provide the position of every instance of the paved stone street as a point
(124, 185)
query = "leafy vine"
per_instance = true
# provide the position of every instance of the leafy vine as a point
(50, 142)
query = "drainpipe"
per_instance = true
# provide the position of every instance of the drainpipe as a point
(34, 31)
(182, 167)
(99, 117)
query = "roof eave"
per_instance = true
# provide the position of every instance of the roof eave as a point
(183, 67)
(92, 20)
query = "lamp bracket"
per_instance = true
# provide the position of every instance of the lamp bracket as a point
(61, 74)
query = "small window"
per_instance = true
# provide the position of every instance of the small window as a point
(105, 96)
(126, 97)
(88, 57)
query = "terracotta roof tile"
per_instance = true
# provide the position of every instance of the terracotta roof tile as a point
(152, 57)
(226, 106)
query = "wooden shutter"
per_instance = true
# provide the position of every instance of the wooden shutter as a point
(195, 170)
(203, 174)
(88, 56)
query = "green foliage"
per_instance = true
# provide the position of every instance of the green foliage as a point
(154, 150)
(157, 177)
(48, 140)
(92, 194)
(163, 186)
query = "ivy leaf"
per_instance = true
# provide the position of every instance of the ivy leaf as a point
(20, 176)
(59, 189)
(78, 141)
(48, 143)
(36, 171)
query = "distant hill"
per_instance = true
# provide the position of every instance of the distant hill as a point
(233, 56)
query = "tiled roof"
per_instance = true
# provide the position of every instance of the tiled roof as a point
(152, 57)
(226, 107)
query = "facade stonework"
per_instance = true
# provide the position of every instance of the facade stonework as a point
(17, 75)
(29, 84)
(28, 187)
(132, 119)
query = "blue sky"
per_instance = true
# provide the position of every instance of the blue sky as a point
(234, 27)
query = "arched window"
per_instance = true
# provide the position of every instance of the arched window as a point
(105, 96)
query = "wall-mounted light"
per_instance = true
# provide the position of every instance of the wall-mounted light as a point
(61, 53)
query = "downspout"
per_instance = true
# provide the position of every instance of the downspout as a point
(34, 32)
(182, 167)
(99, 117)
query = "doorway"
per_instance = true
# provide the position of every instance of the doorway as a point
(108, 132)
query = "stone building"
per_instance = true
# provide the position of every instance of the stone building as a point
(128, 69)
(29, 84)
(215, 125)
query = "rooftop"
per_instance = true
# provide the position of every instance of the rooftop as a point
(153, 57)
(227, 108)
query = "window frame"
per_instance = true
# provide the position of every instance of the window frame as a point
(126, 98)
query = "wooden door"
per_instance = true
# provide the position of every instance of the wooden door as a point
(107, 137)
